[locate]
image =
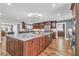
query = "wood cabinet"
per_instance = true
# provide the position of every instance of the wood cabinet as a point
(47, 40)
(41, 43)
(28, 48)
(53, 36)
(7, 44)
(77, 41)
(14, 47)
(53, 24)
(36, 26)
(75, 11)
(73, 8)
(31, 47)
(36, 48)
(77, 27)
(18, 48)
(40, 25)
(11, 44)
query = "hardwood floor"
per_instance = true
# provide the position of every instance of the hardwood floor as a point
(3, 51)
(51, 50)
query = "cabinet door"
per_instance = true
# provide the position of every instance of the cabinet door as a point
(18, 48)
(28, 48)
(46, 40)
(77, 13)
(11, 41)
(36, 46)
(33, 26)
(7, 44)
(38, 26)
(41, 44)
(77, 35)
(77, 28)
(43, 41)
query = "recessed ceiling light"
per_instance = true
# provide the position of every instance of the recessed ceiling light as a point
(53, 5)
(35, 15)
(30, 14)
(9, 4)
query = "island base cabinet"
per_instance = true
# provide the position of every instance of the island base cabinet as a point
(46, 40)
(18, 48)
(28, 48)
(7, 44)
(36, 49)
(10, 46)
(31, 47)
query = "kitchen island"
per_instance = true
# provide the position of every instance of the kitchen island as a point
(27, 44)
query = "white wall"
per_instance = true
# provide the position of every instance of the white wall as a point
(3, 28)
(15, 29)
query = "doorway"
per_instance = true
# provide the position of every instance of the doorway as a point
(65, 36)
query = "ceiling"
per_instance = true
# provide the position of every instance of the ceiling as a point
(17, 12)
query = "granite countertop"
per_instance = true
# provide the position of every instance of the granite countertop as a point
(27, 36)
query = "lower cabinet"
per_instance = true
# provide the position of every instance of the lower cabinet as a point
(77, 39)
(11, 44)
(28, 48)
(47, 41)
(31, 47)
(36, 49)
(18, 47)
(7, 44)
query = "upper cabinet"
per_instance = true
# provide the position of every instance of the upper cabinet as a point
(73, 8)
(39, 25)
(53, 24)
(36, 26)
(75, 11)
(77, 28)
